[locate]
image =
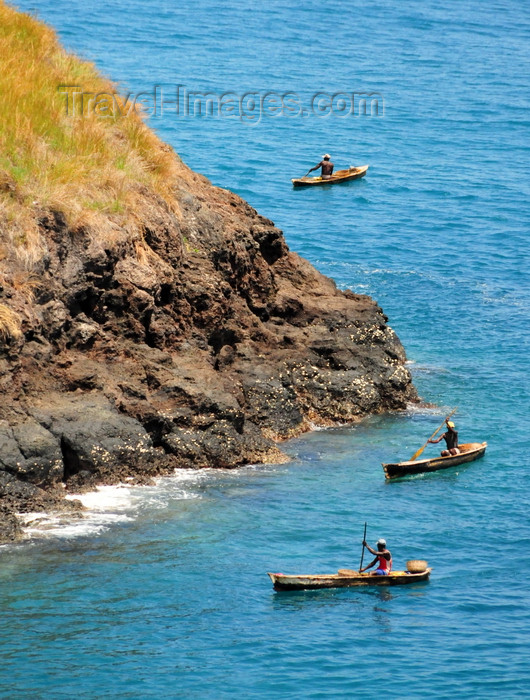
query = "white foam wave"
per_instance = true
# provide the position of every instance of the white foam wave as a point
(67, 525)
(110, 505)
(106, 498)
(315, 427)
(422, 409)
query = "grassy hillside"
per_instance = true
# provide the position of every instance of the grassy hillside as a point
(75, 164)
(67, 161)
(90, 167)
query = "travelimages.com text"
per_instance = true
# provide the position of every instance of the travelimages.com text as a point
(247, 107)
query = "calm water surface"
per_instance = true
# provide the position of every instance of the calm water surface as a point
(162, 592)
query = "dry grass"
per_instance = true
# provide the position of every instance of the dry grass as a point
(26, 283)
(86, 166)
(9, 324)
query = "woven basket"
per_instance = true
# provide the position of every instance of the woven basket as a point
(417, 566)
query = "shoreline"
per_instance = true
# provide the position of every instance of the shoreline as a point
(90, 517)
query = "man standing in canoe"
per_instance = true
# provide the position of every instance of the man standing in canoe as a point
(451, 440)
(326, 165)
(383, 558)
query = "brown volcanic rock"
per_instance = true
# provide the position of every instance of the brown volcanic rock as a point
(190, 339)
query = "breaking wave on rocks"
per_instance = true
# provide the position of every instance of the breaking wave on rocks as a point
(110, 505)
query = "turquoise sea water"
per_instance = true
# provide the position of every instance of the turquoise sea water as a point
(162, 592)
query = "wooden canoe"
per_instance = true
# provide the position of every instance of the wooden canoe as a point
(469, 452)
(338, 176)
(345, 578)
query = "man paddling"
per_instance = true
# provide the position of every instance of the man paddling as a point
(382, 557)
(451, 440)
(326, 165)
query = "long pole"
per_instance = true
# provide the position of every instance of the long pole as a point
(418, 453)
(364, 540)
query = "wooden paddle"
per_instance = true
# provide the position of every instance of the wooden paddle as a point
(362, 555)
(418, 453)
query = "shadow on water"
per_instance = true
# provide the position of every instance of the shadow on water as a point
(330, 596)
(374, 607)
(341, 596)
(371, 602)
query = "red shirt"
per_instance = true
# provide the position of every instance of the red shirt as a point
(385, 564)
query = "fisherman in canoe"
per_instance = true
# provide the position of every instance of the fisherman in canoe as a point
(326, 165)
(451, 440)
(383, 558)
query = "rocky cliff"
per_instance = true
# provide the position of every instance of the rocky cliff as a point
(175, 329)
